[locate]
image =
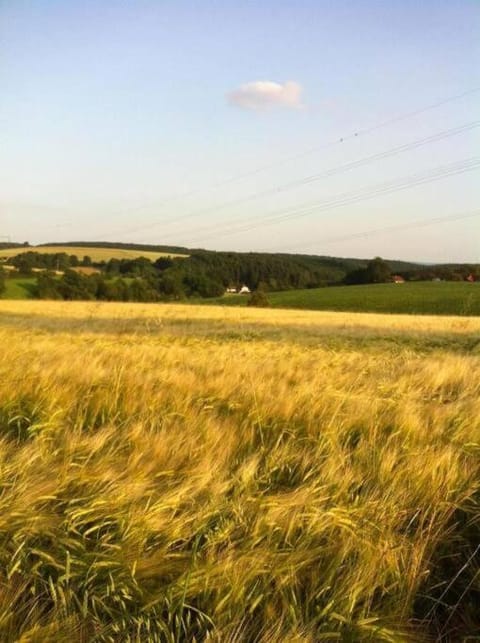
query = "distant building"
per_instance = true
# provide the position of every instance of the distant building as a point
(244, 290)
(398, 279)
(231, 290)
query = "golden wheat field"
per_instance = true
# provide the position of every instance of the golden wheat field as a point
(97, 254)
(172, 473)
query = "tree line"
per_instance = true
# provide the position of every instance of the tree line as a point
(75, 286)
(201, 274)
(28, 261)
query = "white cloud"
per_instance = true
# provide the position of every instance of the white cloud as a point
(265, 94)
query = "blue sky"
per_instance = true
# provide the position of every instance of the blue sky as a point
(127, 121)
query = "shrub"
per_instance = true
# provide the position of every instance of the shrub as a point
(258, 299)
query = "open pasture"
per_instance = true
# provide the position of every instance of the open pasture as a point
(414, 298)
(19, 288)
(179, 473)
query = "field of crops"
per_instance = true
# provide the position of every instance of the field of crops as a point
(177, 473)
(96, 254)
(422, 298)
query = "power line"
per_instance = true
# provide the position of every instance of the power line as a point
(395, 228)
(348, 198)
(361, 132)
(326, 173)
(288, 159)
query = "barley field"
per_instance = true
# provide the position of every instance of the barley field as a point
(177, 473)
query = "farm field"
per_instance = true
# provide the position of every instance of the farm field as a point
(179, 473)
(425, 298)
(96, 254)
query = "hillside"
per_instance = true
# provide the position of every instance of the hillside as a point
(104, 250)
(121, 245)
(95, 252)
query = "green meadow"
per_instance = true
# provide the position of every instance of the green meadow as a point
(416, 298)
(19, 288)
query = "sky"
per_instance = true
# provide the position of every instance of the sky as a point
(347, 128)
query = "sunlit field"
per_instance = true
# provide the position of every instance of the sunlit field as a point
(179, 473)
(95, 254)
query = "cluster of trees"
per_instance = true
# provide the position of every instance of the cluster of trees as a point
(377, 271)
(27, 261)
(445, 272)
(273, 271)
(172, 278)
(138, 267)
(75, 286)
(164, 287)
(207, 274)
